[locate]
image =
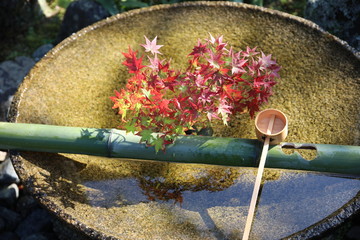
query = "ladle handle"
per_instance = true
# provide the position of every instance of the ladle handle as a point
(257, 184)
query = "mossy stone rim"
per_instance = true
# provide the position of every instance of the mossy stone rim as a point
(311, 232)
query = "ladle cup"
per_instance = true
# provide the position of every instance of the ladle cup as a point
(279, 130)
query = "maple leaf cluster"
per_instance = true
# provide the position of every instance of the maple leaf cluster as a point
(217, 83)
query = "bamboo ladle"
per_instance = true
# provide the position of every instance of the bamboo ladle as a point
(271, 127)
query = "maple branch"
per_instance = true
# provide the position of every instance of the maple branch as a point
(186, 149)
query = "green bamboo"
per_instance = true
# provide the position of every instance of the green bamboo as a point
(186, 149)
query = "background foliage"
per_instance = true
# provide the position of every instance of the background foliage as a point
(37, 22)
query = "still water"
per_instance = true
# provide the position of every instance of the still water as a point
(215, 206)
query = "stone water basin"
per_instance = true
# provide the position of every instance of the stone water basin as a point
(126, 199)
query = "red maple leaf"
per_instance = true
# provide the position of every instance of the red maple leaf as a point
(199, 50)
(164, 106)
(233, 94)
(132, 62)
(216, 84)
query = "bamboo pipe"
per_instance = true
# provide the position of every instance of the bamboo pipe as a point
(186, 149)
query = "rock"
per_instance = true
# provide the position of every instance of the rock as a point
(80, 14)
(7, 173)
(11, 75)
(11, 218)
(354, 233)
(6, 95)
(8, 195)
(3, 75)
(37, 221)
(26, 204)
(36, 236)
(8, 236)
(341, 18)
(16, 70)
(26, 63)
(5, 102)
(3, 156)
(41, 51)
(65, 231)
(2, 224)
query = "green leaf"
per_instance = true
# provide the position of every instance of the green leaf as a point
(146, 136)
(171, 137)
(168, 121)
(145, 121)
(133, 4)
(257, 2)
(179, 130)
(138, 106)
(158, 144)
(64, 3)
(109, 5)
(246, 77)
(130, 127)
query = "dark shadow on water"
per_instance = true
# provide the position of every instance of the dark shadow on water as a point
(59, 178)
